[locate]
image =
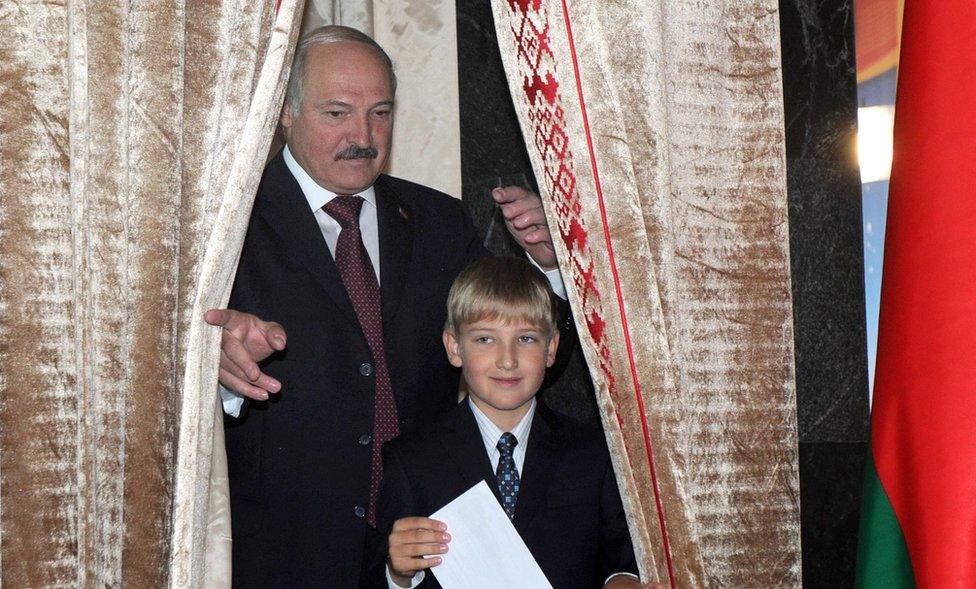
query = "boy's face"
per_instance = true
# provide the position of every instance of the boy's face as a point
(503, 363)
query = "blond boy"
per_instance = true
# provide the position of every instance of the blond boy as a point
(552, 475)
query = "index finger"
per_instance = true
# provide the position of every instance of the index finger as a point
(217, 317)
(509, 194)
(418, 523)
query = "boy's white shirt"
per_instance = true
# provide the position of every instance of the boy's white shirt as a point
(490, 434)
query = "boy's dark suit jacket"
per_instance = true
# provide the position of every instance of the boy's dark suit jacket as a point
(299, 464)
(568, 512)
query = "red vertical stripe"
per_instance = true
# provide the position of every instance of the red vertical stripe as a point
(924, 418)
(620, 300)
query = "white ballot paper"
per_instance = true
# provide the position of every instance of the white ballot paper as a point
(485, 551)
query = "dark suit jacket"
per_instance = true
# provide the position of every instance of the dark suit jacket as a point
(568, 513)
(299, 464)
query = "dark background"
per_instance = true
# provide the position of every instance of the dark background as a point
(824, 194)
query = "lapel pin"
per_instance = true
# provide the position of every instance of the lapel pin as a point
(404, 214)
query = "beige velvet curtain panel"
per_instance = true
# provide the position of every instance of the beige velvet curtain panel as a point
(132, 138)
(655, 129)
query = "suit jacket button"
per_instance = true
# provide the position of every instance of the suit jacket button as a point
(365, 439)
(366, 369)
(360, 511)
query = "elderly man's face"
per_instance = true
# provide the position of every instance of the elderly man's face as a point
(341, 134)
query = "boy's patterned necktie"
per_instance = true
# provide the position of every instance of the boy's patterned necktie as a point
(506, 473)
(364, 292)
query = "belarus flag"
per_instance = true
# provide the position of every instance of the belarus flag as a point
(918, 521)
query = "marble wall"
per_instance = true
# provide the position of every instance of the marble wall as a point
(825, 240)
(820, 97)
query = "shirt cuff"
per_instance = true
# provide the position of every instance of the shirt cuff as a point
(231, 401)
(416, 580)
(555, 279)
(632, 575)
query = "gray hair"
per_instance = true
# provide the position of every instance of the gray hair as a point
(323, 36)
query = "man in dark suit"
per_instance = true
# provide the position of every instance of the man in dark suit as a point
(303, 465)
(551, 474)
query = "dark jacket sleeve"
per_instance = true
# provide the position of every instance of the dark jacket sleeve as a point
(568, 341)
(394, 502)
(475, 248)
(616, 548)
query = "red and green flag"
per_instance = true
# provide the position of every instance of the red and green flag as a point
(918, 521)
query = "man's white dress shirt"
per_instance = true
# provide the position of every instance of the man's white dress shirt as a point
(317, 197)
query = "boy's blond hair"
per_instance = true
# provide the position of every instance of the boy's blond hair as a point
(506, 288)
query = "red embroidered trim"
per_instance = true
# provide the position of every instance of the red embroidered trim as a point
(530, 27)
(620, 299)
(549, 138)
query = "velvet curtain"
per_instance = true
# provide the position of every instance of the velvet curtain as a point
(132, 138)
(655, 130)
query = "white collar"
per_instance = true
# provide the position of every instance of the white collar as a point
(316, 195)
(491, 432)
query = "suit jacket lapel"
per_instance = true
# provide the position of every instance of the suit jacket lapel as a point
(281, 203)
(396, 241)
(463, 444)
(464, 447)
(540, 457)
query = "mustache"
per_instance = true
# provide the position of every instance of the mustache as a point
(354, 152)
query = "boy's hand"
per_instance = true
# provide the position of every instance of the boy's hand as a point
(410, 540)
(630, 582)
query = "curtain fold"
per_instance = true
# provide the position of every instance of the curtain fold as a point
(202, 535)
(655, 130)
(39, 365)
(126, 189)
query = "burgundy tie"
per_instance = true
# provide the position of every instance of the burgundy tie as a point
(364, 292)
